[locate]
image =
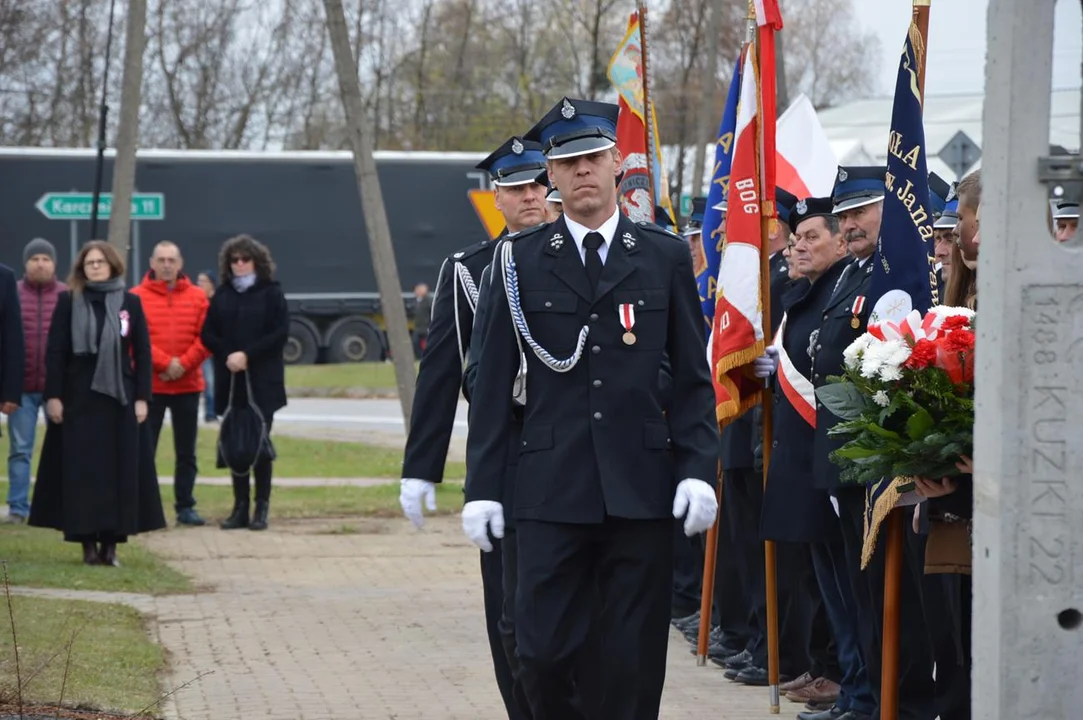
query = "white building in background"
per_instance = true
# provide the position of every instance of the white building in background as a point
(858, 132)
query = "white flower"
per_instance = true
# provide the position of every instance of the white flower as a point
(946, 311)
(853, 354)
(881, 399)
(900, 353)
(872, 359)
(889, 373)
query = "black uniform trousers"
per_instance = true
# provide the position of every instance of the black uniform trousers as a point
(740, 557)
(563, 569)
(687, 572)
(492, 583)
(917, 699)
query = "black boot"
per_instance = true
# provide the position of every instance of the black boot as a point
(90, 553)
(107, 555)
(259, 517)
(239, 517)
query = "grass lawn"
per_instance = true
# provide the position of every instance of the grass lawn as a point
(37, 557)
(297, 457)
(341, 377)
(113, 663)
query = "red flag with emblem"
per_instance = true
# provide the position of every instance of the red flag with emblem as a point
(737, 333)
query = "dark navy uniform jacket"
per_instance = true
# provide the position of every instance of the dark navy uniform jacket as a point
(596, 440)
(794, 509)
(739, 437)
(837, 331)
(440, 374)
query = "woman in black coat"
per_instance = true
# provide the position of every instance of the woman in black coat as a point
(96, 480)
(246, 330)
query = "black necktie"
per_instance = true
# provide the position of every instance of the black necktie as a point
(591, 243)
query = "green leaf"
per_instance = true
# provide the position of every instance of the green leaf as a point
(854, 452)
(842, 399)
(920, 424)
(883, 432)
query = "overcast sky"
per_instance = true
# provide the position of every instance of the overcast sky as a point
(957, 43)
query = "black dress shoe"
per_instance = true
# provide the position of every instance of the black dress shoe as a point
(757, 677)
(107, 555)
(854, 715)
(722, 652)
(732, 673)
(681, 622)
(832, 713)
(736, 662)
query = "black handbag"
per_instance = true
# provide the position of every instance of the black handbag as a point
(242, 434)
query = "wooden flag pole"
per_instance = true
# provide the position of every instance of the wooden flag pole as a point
(895, 530)
(648, 115)
(706, 598)
(767, 404)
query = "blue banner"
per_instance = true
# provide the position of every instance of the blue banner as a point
(714, 226)
(904, 274)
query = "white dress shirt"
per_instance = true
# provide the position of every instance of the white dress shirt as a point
(607, 230)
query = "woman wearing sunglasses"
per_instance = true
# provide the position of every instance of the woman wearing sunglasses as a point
(246, 329)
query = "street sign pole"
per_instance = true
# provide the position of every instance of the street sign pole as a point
(135, 252)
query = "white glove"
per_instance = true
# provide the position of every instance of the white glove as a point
(766, 365)
(479, 518)
(697, 499)
(411, 492)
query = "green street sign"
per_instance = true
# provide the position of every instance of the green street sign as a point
(79, 206)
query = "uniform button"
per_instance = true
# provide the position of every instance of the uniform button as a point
(778, 399)
(524, 443)
(774, 443)
(640, 303)
(819, 348)
(597, 383)
(825, 316)
(548, 303)
(595, 349)
(594, 317)
(816, 376)
(597, 416)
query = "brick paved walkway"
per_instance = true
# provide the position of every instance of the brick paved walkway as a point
(354, 620)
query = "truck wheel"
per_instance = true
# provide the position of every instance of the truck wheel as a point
(302, 343)
(353, 340)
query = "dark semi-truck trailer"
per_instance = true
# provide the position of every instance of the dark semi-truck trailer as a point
(303, 205)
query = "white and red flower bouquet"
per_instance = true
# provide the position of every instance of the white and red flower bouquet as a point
(906, 398)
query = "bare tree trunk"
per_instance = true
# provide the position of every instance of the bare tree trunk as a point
(128, 127)
(703, 113)
(372, 205)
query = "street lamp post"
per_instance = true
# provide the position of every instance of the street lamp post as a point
(102, 114)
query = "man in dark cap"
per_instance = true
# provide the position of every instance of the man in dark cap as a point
(944, 234)
(604, 466)
(1066, 220)
(513, 169)
(554, 206)
(858, 201)
(38, 291)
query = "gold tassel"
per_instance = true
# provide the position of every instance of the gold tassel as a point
(884, 505)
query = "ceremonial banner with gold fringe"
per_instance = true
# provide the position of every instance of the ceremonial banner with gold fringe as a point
(903, 276)
(737, 332)
(626, 74)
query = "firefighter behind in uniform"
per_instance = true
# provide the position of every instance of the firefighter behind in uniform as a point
(1066, 220)
(513, 168)
(594, 306)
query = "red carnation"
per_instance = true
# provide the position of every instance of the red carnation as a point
(955, 322)
(922, 356)
(959, 341)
